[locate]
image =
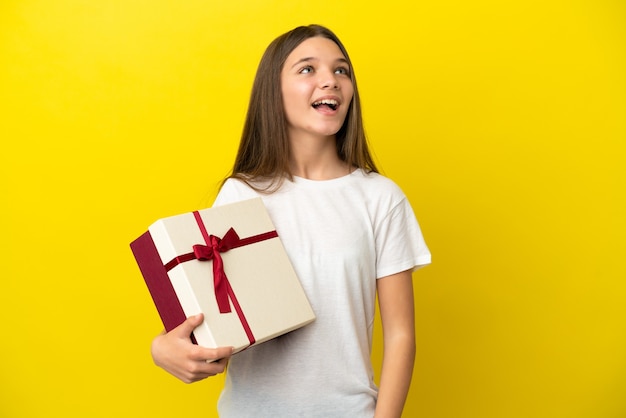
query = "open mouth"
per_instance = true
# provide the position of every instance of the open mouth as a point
(328, 103)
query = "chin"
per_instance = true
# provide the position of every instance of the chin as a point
(330, 131)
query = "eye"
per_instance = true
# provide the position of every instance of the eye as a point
(306, 70)
(342, 70)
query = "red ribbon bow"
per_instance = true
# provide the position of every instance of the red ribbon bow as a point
(212, 252)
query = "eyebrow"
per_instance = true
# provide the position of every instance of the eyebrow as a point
(306, 59)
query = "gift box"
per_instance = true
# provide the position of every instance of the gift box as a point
(228, 263)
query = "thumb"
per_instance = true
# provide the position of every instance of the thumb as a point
(185, 329)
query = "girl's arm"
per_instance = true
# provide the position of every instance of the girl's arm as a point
(176, 354)
(395, 299)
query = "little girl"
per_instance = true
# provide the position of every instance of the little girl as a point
(350, 234)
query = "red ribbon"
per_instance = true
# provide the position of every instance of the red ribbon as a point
(211, 251)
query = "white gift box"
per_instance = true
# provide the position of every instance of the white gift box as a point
(256, 296)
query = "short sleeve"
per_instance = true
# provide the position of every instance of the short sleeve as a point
(400, 244)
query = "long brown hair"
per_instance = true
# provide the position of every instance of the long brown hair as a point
(264, 148)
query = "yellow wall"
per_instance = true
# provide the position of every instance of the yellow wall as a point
(504, 122)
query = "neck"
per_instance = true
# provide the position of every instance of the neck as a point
(316, 158)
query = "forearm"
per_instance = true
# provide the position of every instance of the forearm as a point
(396, 372)
(395, 298)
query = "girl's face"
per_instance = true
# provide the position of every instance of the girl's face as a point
(317, 88)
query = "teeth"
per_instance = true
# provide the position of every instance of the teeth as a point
(330, 102)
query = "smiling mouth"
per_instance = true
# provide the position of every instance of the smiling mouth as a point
(329, 103)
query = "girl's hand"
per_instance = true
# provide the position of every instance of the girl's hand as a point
(175, 353)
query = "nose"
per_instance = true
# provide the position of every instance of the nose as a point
(328, 80)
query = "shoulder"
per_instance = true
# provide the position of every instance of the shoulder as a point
(374, 178)
(377, 186)
(234, 190)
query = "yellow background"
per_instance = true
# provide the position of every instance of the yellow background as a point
(504, 122)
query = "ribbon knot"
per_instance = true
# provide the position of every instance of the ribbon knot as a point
(212, 252)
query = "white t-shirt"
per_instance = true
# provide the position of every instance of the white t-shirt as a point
(340, 235)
